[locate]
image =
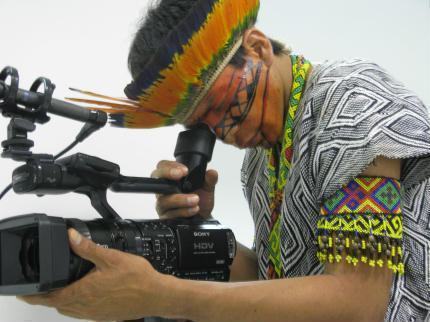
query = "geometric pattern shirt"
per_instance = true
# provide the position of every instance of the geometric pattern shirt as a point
(350, 113)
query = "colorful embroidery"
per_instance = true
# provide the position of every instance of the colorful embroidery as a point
(279, 169)
(363, 222)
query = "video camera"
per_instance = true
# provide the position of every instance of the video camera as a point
(34, 251)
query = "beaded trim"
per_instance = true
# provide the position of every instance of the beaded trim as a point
(363, 222)
(279, 169)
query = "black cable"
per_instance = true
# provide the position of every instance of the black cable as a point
(67, 149)
(5, 191)
(85, 132)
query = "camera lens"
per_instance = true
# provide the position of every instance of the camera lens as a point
(29, 257)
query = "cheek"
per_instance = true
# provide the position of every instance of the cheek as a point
(253, 121)
(230, 138)
(220, 99)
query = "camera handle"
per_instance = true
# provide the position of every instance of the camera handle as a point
(194, 149)
(92, 176)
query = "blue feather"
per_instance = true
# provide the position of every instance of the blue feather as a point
(117, 119)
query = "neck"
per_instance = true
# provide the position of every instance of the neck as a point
(283, 67)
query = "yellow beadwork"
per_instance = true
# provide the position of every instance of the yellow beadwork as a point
(373, 236)
(278, 169)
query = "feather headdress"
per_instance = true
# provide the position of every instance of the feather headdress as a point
(184, 67)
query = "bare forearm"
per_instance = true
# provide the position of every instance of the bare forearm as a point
(245, 266)
(314, 298)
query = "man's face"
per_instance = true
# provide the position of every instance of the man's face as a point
(244, 106)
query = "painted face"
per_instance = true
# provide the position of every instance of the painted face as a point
(244, 106)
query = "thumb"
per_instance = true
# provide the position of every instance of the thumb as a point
(211, 180)
(87, 249)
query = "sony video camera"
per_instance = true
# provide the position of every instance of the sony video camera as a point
(34, 250)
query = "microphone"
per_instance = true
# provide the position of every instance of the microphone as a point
(72, 111)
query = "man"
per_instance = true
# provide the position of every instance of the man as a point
(323, 176)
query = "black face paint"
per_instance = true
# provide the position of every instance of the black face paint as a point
(239, 106)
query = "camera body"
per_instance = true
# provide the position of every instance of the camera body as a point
(35, 256)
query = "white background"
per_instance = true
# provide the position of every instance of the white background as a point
(84, 44)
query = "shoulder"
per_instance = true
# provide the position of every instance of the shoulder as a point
(361, 112)
(359, 93)
(343, 80)
(347, 68)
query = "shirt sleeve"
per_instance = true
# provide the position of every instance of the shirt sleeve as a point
(366, 113)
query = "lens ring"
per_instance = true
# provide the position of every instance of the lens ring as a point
(29, 257)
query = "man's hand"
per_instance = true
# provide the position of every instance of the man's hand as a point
(244, 267)
(185, 205)
(121, 287)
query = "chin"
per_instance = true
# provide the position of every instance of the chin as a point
(267, 145)
(258, 140)
(253, 144)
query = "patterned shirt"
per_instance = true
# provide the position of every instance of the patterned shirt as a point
(351, 112)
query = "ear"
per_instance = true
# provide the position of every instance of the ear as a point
(258, 45)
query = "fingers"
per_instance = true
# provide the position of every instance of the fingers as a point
(181, 205)
(63, 297)
(46, 299)
(180, 212)
(184, 205)
(33, 299)
(169, 170)
(88, 250)
(211, 180)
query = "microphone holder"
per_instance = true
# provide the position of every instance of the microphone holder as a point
(25, 108)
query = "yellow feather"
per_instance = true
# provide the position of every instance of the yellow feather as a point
(124, 100)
